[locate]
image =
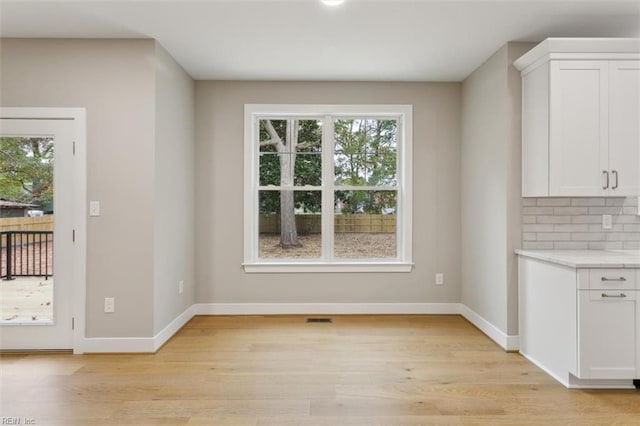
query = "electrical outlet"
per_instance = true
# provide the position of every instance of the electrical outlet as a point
(94, 208)
(439, 278)
(180, 287)
(607, 221)
(109, 304)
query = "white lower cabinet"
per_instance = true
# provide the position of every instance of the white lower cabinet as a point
(581, 325)
(607, 334)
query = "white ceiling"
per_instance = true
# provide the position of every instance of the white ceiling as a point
(374, 40)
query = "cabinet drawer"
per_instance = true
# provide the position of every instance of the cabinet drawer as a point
(618, 279)
(612, 295)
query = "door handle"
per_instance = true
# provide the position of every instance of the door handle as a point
(606, 175)
(615, 174)
(614, 296)
(613, 279)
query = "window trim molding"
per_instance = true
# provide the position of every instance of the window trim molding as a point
(403, 262)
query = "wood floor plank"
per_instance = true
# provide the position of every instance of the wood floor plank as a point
(387, 370)
(404, 420)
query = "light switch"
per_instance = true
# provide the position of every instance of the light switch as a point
(94, 208)
(607, 222)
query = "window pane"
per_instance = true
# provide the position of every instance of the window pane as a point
(308, 170)
(269, 169)
(290, 224)
(27, 284)
(290, 152)
(365, 224)
(365, 152)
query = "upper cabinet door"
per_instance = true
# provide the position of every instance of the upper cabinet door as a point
(624, 127)
(578, 128)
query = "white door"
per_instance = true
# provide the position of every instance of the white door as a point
(624, 127)
(607, 330)
(578, 148)
(56, 331)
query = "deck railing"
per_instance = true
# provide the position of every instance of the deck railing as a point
(26, 254)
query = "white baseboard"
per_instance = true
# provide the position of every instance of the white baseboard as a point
(152, 344)
(575, 383)
(562, 380)
(509, 343)
(172, 328)
(117, 345)
(325, 308)
(137, 344)
(572, 382)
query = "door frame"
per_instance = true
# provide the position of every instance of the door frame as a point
(79, 219)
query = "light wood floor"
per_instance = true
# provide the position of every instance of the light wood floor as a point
(280, 371)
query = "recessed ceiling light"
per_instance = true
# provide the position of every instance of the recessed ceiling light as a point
(332, 2)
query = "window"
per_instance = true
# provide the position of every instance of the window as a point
(328, 188)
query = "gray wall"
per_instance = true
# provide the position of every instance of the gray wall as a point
(490, 188)
(219, 218)
(113, 80)
(140, 155)
(174, 190)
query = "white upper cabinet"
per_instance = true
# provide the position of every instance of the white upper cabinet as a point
(624, 126)
(581, 118)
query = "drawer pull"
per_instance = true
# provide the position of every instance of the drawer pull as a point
(616, 296)
(613, 279)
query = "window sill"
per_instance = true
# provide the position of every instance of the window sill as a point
(316, 267)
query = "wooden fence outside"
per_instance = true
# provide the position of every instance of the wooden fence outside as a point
(40, 223)
(344, 223)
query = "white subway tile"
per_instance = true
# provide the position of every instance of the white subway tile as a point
(605, 245)
(537, 245)
(571, 211)
(623, 236)
(597, 227)
(605, 210)
(588, 236)
(554, 219)
(587, 202)
(571, 228)
(576, 223)
(626, 219)
(554, 202)
(616, 202)
(586, 219)
(537, 211)
(571, 245)
(538, 228)
(554, 236)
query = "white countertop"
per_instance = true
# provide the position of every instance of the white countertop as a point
(587, 258)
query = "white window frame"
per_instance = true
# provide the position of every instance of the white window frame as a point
(255, 112)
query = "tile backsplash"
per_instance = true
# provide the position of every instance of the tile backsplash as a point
(576, 223)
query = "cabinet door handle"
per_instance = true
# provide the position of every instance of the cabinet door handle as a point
(615, 174)
(614, 296)
(613, 279)
(606, 175)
